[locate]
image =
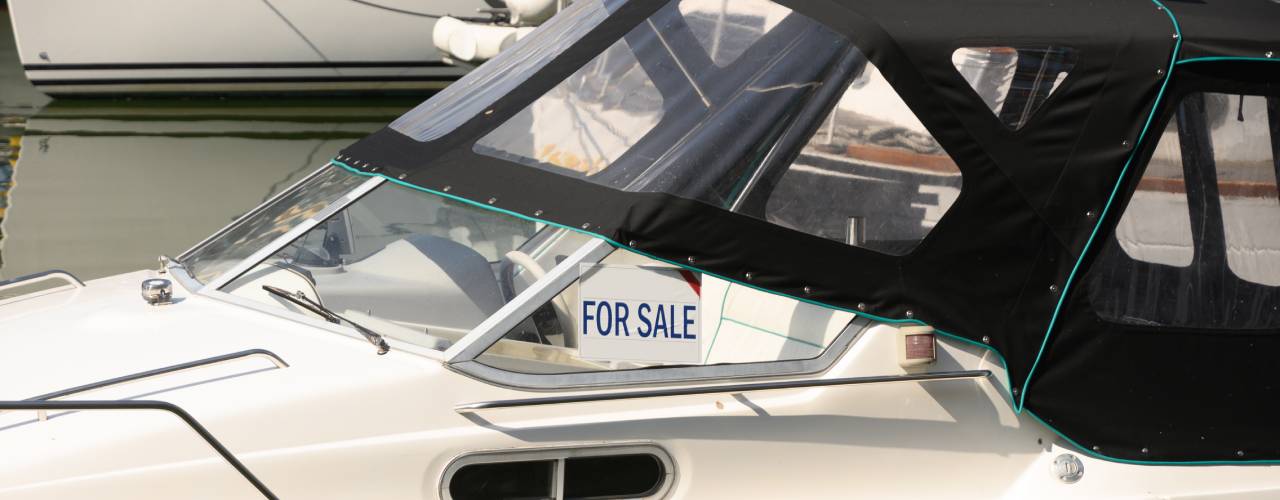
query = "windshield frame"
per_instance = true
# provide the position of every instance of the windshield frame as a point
(469, 346)
(461, 355)
(253, 212)
(247, 263)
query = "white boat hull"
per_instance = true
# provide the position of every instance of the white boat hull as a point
(342, 422)
(89, 47)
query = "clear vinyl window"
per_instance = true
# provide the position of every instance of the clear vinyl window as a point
(1014, 81)
(476, 91)
(725, 30)
(587, 121)
(1156, 227)
(872, 175)
(656, 112)
(1198, 245)
(710, 100)
(1245, 154)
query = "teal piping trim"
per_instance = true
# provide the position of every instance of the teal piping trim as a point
(716, 335)
(615, 244)
(775, 334)
(1227, 58)
(1003, 364)
(1124, 173)
(1089, 451)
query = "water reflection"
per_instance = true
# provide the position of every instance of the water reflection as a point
(102, 187)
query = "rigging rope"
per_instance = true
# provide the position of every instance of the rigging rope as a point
(393, 9)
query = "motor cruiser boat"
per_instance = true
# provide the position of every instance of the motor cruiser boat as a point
(708, 249)
(164, 47)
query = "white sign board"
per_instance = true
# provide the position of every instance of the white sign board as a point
(639, 313)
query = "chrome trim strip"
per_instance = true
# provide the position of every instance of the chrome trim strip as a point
(511, 314)
(34, 278)
(44, 406)
(179, 273)
(288, 237)
(718, 389)
(697, 373)
(251, 213)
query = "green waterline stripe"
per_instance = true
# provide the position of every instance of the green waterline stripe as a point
(1124, 173)
(1004, 364)
(723, 299)
(949, 335)
(771, 332)
(1227, 58)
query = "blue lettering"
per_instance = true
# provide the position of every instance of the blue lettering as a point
(605, 312)
(622, 312)
(671, 320)
(688, 321)
(586, 314)
(643, 313)
(660, 323)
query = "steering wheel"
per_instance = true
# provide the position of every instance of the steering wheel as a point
(563, 311)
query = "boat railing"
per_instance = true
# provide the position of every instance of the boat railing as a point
(171, 369)
(45, 403)
(721, 389)
(45, 406)
(31, 279)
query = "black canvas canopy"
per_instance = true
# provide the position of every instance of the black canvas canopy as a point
(1008, 264)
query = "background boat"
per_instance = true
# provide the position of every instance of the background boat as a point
(97, 187)
(130, 47)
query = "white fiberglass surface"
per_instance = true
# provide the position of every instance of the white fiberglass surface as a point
(409, 265)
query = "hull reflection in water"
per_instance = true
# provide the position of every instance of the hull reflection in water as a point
(100, 188)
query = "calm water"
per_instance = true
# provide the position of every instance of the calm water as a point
(100, 187)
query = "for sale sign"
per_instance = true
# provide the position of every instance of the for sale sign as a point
(639, 313)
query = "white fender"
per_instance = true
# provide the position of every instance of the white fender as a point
(476, 42)
(445, 28)
(531, 12)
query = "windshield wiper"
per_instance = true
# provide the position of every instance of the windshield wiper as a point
(306, 303)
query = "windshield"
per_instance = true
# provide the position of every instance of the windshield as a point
(408, 265)
(254, 232)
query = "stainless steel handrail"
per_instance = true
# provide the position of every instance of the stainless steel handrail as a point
(279, 363)
(719, 389)
(32, 279)
(44, 406)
